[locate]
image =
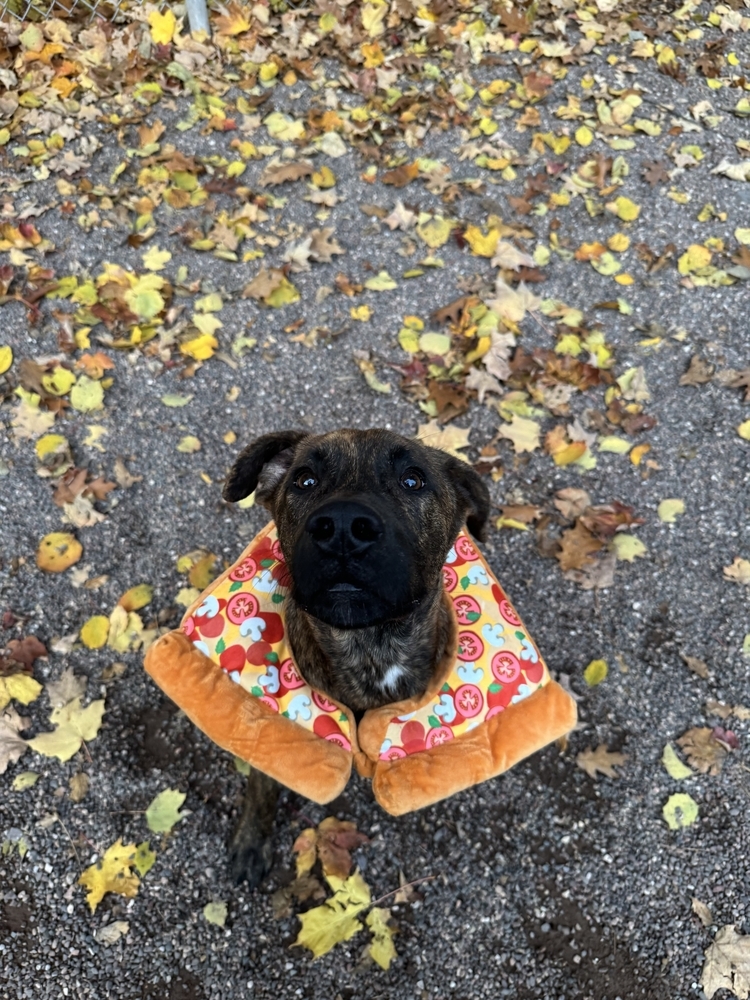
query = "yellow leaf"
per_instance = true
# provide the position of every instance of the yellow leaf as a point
(281, 126)
(381, 949)
(523, 432)
(595, 672)
(361, 313)
(334, 921)
(619, 242)
(373, 18)
(482, 245)
(435, 231)
(125, 630)
(201, 572)
(680, 810)
(695, 257)
(20, 687)
(155, 259)
(95, 631)
(675, 767)
(189, 444)
(584, 136)
(743, 430)
(59, 381)
(24, 780)
(137, 597)
(669, 509)
(637, 454)
(448, 438)
(382, 282)
(162, 26)
(624, 279)
(6, 358)
(283, 295)
(84, 722)
(207, 323)
(144, 298)
(624, 209)
(62, 743)
(628, 547)
(164, 811)
(87, 395)
(323, 178)
(58, 551)
(112, 873)
(435, 343)
(201, 348)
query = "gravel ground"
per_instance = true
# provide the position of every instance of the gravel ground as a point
(543, 883)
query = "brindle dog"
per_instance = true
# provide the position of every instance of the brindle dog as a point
(365, 521)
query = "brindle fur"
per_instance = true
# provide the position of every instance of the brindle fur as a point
(352, 664)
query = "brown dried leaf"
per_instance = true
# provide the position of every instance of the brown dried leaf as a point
(336, 838)
(697, 666)
(699, 372)
(571, 501)
(280, 173)
(12, 746)
(322, 246)
(124, 478)
(600, 761)
(79, 786)
(401, 176)
(576, 547)
(703, 750)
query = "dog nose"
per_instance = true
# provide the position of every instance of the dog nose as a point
(344, 527)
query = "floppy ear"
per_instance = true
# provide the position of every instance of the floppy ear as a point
(262, 464)
(473, 495)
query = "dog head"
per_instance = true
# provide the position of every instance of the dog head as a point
(365, 518)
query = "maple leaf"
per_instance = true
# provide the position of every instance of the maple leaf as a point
(277, 172)
(336, 920)
(572, 501)
(401, 217)
(25, 651)
(703, 750)
(699, 372)
(112, 873)
(450, 439)
(381, 949)
(727, 965)
(164, 811)
(12, 746)
(600, 761)
(576, 547)
(523, 432)
(655, 172)
(322, 247)
(482, 382)
(401, 176)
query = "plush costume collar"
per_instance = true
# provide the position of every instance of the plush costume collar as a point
(491, 703)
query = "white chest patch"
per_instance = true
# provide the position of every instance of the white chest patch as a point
(391, 676)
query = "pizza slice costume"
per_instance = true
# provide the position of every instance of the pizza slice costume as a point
(492, 702)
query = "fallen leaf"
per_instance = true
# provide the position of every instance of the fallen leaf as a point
(572, 501)
(164, 811)
(739, 571)
(19, 687)
(451, 439)
(727, 964)
(699, 372)
(680, 810)
(668, 510)
(111, 933)
(95, 631)
(12, 745)
(577, 546)
(675, 768)
(703, 750)
(697, 666)
(112, 873)
(336, 920)
(628, 547)
(596, 672)
(381, 949)
(58, 551)
(600, 761)
(523, 432)
(701, 911)
(215, 913)
(79, 786)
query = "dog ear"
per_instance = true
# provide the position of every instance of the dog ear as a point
(473, 495)
(262, 464)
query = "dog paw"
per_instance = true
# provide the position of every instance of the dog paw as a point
(249, 861)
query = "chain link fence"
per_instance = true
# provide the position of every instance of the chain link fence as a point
(114, 10)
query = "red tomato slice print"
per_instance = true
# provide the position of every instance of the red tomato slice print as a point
(188, 626)
(450, 578)
(470, 646)
(393, 753)
(414, 746)
(534, 671)
(509, 612)
(437, 736)
(276, 551)
(240, 607)
(496, 710)
(506, 667)
(323, 703)
(469, 700)
(468, 610)
(269, 702)
(289, 676)
(245, 570)
(340, 740)
(465, 550)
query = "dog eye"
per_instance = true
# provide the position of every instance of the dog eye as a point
(412, 480)
(305, 480)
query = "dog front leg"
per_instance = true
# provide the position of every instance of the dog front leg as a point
(250, 850)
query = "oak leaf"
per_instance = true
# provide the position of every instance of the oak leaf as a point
(576, 548)
(600, 761)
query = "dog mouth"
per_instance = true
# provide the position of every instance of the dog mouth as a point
(344, 588)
